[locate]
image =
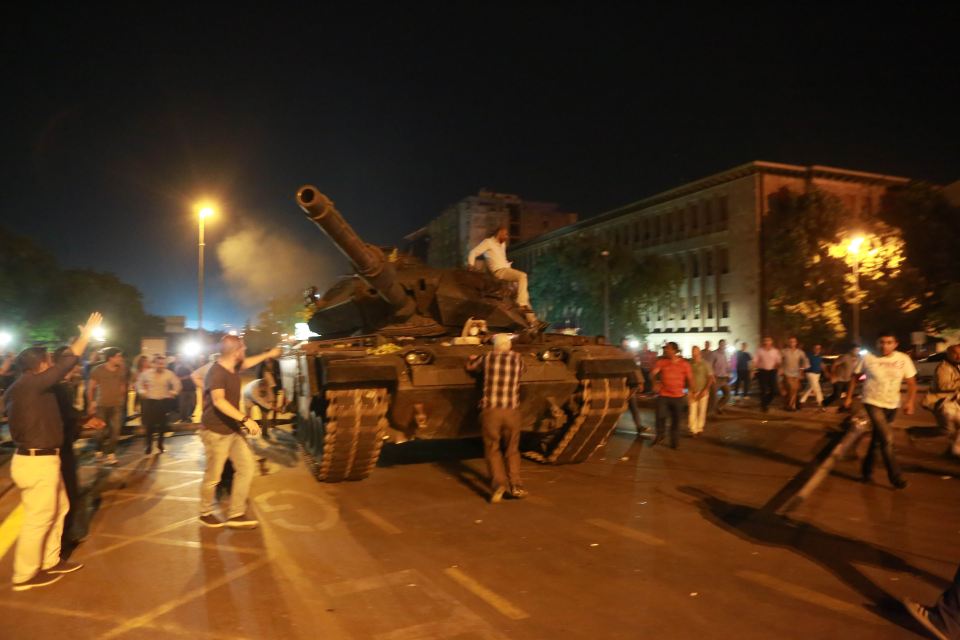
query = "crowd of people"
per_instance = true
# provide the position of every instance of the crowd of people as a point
(50, 398)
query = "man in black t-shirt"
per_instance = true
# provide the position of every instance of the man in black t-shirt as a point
(223, 430)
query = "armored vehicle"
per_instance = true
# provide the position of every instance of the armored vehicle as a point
(389, 362)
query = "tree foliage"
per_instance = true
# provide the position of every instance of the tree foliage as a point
(43, 303)
(567, 285)
(809, 271)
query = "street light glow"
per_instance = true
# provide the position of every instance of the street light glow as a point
(190, 348)
(99, 334)
(855, 244)
(5, 339)
(205, 210)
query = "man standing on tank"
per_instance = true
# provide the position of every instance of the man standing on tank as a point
(494, 251)
(223, 432)
(500, 418)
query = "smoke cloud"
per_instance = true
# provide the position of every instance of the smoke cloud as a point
(258, 265)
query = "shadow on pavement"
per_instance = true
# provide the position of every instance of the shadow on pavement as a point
(421, 451)
(753, 450)
(837, 554)
(468, 477)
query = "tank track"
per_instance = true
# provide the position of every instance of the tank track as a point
(346, 444)
(597, 408)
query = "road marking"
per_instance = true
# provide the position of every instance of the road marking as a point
(134, 495)
(806, 595)
(378, 521)
(495, 600)
(10, 529)
(192, 544)
(132, 539)
(330, 512)
(627, 532)
(170, 605)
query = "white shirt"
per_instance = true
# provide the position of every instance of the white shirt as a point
(884, 375)
(494, 252)
(158, 386)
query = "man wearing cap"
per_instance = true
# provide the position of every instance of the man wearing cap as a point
(156, 386)
(36, 427)
(500, 418)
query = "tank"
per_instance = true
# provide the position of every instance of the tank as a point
(389, 365)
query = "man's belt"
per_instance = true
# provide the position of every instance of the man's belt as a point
(37, 452)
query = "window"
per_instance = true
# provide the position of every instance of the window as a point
(695, 265)
(636, 232)
(668, 225)
(709, 262)
(646, 230)
(683, 309)
(681, 223)
(659, 314)
(694, 212)
(725, 313)
(724, 260)
(709, 311)
(708, 215)
(723, 213)
(656, 228)
(696, 309)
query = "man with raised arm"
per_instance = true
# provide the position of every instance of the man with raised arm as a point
(36, 427)
(223, 432)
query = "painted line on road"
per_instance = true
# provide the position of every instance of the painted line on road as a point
(191, 544)
(806, 595)
(132, 539)
(495, 600)
(147, 618)
(133, 495)
(379, 522)
(627, 532)
(10, 529)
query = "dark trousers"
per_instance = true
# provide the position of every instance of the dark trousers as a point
(882, 438)
(948, 606)
(501, 440)
(153, 415)
(742, 385)
(675, 408)
(68, 469)
(715, 404)
(635, 410)
(837, 388)
(187, 403)
(768, 386)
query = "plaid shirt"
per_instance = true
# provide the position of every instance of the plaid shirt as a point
(501, 380)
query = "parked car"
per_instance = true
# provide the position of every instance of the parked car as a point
(927, 366)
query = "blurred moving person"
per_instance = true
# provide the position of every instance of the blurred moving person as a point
(743, 365)
(701, 385)
(156, 387)
(793, 363)
(813, 373)
(840, 374)
(943, 398)
(768, 361)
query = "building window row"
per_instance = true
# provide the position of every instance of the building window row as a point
(693, 219)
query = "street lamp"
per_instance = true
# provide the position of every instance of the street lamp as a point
(854, 250)
(606, 292)
(204, 211)
(5, 339)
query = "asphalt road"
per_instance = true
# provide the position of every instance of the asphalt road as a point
(638, 542)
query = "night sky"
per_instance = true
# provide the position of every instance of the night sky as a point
(113, 124)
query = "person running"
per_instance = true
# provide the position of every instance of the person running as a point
(701, 384)
(670, 376)
(881, 398)
(768, 360)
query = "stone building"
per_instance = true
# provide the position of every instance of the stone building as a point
(446, 240)
(712, 228)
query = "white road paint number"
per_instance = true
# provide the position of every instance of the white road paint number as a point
(306, 505)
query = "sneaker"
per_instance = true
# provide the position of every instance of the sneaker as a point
(497, 495)
(111, 459)
(925, 617)
(519, 493)
(65, 566)
(900, 483)
(41, 579)
(211, 520)
(242, 522)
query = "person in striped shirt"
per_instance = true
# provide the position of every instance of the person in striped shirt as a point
(500, 418)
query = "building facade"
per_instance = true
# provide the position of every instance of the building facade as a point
(712, 228)
(446, 240)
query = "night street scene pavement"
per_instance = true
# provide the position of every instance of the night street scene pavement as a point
(637, 542)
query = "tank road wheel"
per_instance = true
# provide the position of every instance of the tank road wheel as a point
(595, 412)
(346, 444)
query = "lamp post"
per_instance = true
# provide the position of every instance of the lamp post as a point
(606, 292)
(854, 251)
(203, 212)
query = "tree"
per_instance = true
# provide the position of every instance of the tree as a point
(567, 285)
(809, 270)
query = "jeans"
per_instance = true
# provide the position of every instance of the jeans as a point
(768, 386)
(218, 448)
(742, 385)
(45, 505)
(187, 405)
(882, 438)
(113, 416)
(675, 407)
(501, 439)
(715, 404)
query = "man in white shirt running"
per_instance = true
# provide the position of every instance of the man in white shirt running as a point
(494, 251)
(881, 397)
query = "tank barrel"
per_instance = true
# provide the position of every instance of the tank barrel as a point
(369, 261)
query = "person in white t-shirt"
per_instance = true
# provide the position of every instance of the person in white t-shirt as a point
(494, 251)
(881, 398)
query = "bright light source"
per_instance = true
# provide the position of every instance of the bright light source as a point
(633, 343)
(5, 339)
(99, 334)
(863, 352)
(301, 331)
(855, 244)
(730, 351)
(205, 210)
(190, 348)
(232, 332)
